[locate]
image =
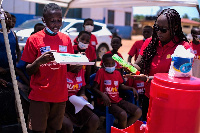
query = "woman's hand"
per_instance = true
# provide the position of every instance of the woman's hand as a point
(140, 77)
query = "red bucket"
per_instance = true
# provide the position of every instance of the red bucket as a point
(174, 105)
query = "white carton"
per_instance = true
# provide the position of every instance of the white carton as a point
(73, 59)
(181, 64)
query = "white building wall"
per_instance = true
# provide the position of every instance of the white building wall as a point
(119, 15)
(19, 6)
(100, 13)
(94, 13)
(86, 13)
(97, 13)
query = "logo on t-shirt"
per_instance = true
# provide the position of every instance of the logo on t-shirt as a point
(45, 49)
(62, 48)
(195, 51)
(168, 56)
(116, 83)
(69, 81)
(140, 84)
(78, 79)
(107, 82)
(93, 43)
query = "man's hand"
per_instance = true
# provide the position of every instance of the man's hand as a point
(45, 58)
(135, 93)
(3, 83)
(106, 100)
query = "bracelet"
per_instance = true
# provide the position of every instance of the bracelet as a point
(147, 78)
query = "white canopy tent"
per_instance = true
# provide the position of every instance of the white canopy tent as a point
(117, 3)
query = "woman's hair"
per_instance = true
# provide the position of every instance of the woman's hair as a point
(50, 7)
(174, 24)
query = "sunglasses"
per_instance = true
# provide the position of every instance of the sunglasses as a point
(157, 28)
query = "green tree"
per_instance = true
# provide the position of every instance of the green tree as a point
(196, 19)
(139, 17)
(185, 16)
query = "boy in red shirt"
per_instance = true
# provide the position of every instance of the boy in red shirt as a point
(89, 26)
(195, 44)
(83, 47)
(85, 118)
(107, 83)
(48, 79)
(116, 44)
(135, 49)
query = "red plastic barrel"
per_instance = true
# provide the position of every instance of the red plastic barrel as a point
(174, 105)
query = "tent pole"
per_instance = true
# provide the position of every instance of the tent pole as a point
(12, 71)
(67, 8)
(197, 6)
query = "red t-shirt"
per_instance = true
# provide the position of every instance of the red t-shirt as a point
(196, 49)
(162, 60)
(93, 41)
(49, 83)
(137, 84)
(109, 84)
(118, 66)
(135, 49)
(89, 52)
(75, 81)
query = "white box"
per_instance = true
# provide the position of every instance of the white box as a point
(73, 59)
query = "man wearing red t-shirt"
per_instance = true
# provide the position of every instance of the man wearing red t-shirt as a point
(107, 83)
(48, 79)
(195, 44)
(135, 49)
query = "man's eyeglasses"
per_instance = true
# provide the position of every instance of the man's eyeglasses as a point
(157, 28)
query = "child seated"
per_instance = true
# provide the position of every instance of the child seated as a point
(83, 47)
(107, 83)
(85, 117)
(88, 26)
(116, 44)
(139, 86)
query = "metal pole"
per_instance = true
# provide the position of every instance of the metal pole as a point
(12, 71)
(67, 8)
